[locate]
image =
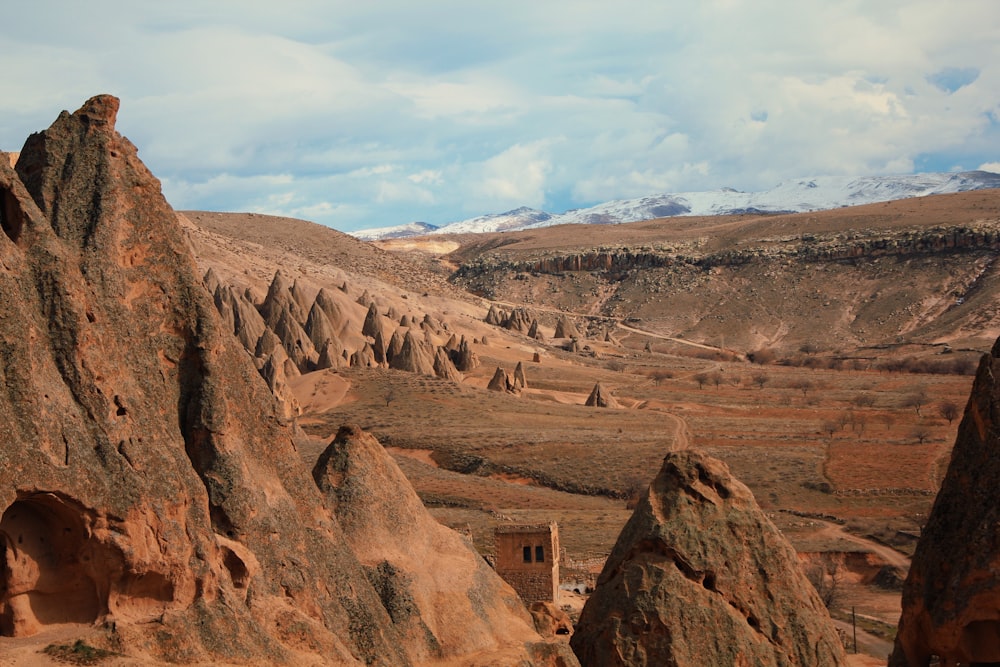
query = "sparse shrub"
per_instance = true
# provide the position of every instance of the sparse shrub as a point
(863, 400)
(760, 379)
(949, 410)
(701, 379)
(765, 355)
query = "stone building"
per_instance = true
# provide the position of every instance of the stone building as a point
(527, 557)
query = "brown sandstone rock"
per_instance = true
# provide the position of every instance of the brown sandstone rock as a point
(465, 359)
(413, 356)
(519, 381)
(336, 314)
(566, 329)
(699, 576)
(156, 489)
(495, 316)
(600, 398)
(443, 368)
(951, 597)
(441, 595)
(499, 381)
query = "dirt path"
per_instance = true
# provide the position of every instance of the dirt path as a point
(867, 643)
(889, 555)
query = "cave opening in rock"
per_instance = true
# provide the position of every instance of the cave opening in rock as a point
(44, 575)
(11, 219)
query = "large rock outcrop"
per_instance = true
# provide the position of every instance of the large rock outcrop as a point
(951, 598)
(440, 593)
(149, 488)
(700, 576)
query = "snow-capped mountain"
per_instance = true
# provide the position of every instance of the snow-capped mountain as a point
(396, 232)
(519, 218)
(811, 194)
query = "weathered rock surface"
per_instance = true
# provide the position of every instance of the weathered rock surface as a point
(441, 595)
(149, 485)
(951, 597)
(600, 398)
(413, 356)
(700, 576)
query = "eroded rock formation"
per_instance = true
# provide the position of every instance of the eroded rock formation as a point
(600, 398)
(700, 576)
(149, 483)
(440, 593)
(951, 598)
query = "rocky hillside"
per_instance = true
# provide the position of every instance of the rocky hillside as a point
(153, 494)
(922, 270)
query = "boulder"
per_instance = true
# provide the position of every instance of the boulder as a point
(951, 596)
(700, 576)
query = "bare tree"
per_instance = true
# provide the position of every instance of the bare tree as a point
(916, 400)
(716, 378)
(920, 433)
(826, 577)
(389, 396)
(701, 379)
(760, 379)
(830, 427)
(660, 375)
(949, 410)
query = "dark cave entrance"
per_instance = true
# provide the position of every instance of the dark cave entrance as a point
(44, 572)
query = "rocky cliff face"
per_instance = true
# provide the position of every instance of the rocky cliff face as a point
(951, 598)
(148, 485)
(699, 576)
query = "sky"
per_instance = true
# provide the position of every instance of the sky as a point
(370, 114)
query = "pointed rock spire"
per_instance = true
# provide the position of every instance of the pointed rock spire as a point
(600, 398)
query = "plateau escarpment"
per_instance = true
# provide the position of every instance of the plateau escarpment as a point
(152, 491)
(755, 287)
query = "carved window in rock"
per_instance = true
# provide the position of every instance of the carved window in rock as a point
(539, 554)
(527, 554)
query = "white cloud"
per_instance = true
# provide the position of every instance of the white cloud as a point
(515, 177)
(990, 166)
(365, 115)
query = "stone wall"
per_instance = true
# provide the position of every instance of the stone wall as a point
(527, 557)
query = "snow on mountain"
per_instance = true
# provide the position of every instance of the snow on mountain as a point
(396, 232)
(519, 218)
(810, 194)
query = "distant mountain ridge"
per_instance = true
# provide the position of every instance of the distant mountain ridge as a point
(796, 196)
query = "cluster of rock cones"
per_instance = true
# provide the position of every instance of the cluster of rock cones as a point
(296, 330)
(151, 489)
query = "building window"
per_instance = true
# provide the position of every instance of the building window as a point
(527, 554)
(539, 554)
